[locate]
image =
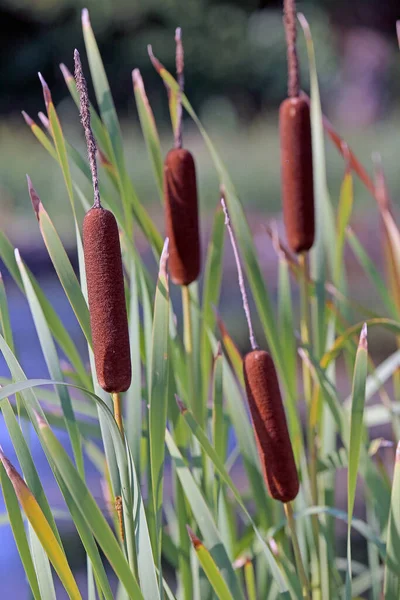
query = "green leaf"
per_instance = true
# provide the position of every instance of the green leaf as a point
(59, 143)
(17, 526)
(149, 129)
(25, 458)
(325, 242)
(159, 393)
(102, 90)
(392, 566)
(62, 264)
(40, 135)
(57, 328)
(99, 130)
(356, 431)
(210, 568)
(77, 487)
(373, 274)
(5, 316)
(242, 232)
(52, 362)
(204, 518)
(225, 478)
(42, 529)
(134, 394)
(211, 290)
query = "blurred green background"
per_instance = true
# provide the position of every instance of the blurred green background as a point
(235, 77)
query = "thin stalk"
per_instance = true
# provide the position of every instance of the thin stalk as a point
(312, 401)
(185, 572)
(305, 325)
(305, 329)
(188, 343)
(195, 399)
(297, 554)
(118, 412)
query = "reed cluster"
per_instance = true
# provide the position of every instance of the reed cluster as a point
(276, 538)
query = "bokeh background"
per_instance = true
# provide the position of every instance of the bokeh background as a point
(235, 77)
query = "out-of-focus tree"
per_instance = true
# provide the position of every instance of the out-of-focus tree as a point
(233, 48)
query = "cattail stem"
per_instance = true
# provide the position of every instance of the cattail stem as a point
(118, 411)
(297, 554)
(179, 59)
(305, 326)
(188, 343)
(118, 500)
(289, 20)
(242, 287)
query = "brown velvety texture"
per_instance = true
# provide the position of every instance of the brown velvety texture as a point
(269, 421)
(108, 318)
(181, 216)
(297, 173)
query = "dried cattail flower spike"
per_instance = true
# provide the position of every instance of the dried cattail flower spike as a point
(296, 150)
(180, 193)
(266, 407)
(104, 274)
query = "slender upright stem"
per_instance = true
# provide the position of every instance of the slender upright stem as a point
(297, 554)
(289, 20)
(118, 500)
(242, 287)
(118, 411)
(311, 400)
(179, 58)
(188, 342)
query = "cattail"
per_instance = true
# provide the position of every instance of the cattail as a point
(272, 436)
(180, 192)
(108, 317)
(104, 275)
(266, 408)
(296, 149)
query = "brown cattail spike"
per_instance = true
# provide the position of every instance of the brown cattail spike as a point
(289, 20)
(104, 275)
(297, 173)
(181, 216)
(270, 426)
(108, 317)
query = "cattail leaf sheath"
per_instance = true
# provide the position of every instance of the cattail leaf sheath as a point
(108, 316)
(297, 173)
(269, 421)
(181, 216)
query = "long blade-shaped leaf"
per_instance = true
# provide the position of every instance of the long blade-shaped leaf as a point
(356, 430)
(149, 129)
(61, 264)
(204, 518)
(210, 568)
(159, 393)
(17, 526)
(42, 529)
(392, 566)
(52, 361)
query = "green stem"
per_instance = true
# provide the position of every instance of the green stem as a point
(312, 398)
(188, 342)
(297, 554)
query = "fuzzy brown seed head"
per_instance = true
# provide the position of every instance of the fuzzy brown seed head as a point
(269, 422)
(297, 173)
(108, 317)
(181, 216)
